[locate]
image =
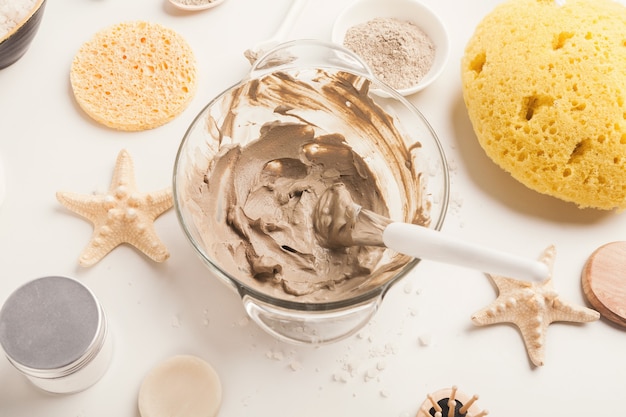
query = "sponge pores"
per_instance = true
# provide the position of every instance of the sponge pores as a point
(544, 83)
(134, 75)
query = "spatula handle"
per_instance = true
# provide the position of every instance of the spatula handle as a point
(428, 244)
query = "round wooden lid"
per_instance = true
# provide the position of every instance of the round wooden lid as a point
(604, 281)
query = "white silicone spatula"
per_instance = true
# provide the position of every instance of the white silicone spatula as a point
(424, 243)
(340, 222)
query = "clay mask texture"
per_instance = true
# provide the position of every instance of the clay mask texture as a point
(254, 188)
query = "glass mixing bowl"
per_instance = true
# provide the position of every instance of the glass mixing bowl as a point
(331, 92)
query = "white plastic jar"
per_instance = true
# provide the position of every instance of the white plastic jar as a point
(55, 332)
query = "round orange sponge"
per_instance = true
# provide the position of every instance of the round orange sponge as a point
(134, 75)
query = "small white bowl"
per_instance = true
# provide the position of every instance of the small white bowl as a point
(407, 10)
(196, 7)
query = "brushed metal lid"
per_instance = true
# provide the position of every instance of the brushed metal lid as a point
(49, 323)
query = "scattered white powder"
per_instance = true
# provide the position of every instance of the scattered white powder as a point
(13, 12)
(295, 365)
(374, 372)
(455, 204)
(246, 401)
(341, 376)
(371, 374)
(425, 339)
(364, 366)
(364, 361)
(276, 355)
(453, 166)
(363, 336)
(205, 317)
(353, 368)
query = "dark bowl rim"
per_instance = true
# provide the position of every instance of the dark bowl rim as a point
(23, 22)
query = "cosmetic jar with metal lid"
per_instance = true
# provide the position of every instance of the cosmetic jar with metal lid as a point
(55, 332)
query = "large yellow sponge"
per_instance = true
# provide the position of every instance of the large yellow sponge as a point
(544, 83)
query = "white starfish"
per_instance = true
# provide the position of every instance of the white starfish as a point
(532, 307)
(123, 215)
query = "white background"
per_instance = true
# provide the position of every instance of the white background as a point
(422, 337)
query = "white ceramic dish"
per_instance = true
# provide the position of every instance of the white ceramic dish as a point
(196, 7)
(364, 10)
